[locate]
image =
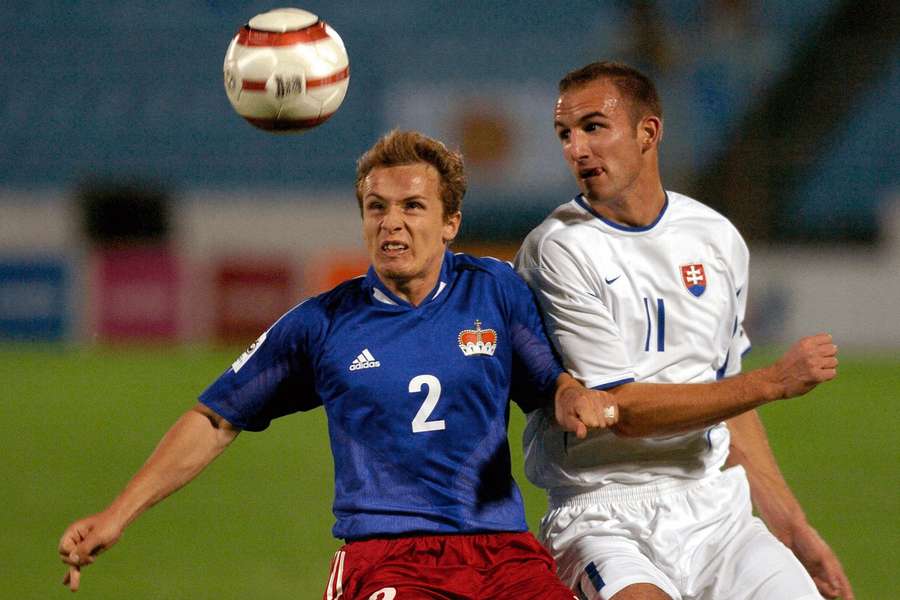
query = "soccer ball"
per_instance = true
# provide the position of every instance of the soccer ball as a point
(286, 71)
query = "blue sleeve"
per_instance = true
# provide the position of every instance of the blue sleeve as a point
(535, 363)
(274, 376)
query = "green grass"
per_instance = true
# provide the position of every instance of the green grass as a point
(76, 424)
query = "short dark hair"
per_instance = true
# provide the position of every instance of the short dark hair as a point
(410, 147)
(631, 83)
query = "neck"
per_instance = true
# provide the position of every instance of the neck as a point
(637, 206)
(414, 290)
(631, 211)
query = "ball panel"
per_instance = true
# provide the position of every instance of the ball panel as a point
(283, 19)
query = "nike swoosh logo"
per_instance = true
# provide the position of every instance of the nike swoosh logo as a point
(611, 281)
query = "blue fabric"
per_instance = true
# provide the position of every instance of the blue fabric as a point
(391, 480)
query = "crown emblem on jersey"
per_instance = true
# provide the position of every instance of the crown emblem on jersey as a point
(478, 340)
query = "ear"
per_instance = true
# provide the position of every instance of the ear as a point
(650, 131)
(451, 226)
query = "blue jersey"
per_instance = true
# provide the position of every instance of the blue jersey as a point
(417, 397)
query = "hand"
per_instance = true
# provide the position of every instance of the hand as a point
(821, 563)
(807, 363)
(83, 541)
(579, 409)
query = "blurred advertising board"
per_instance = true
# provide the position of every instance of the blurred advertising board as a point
(136, 291)
(33, 299)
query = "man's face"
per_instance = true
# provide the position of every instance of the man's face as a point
(599, 140)
(403, 223)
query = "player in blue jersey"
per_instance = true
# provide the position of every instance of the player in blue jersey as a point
(414, 364)
(644, 292)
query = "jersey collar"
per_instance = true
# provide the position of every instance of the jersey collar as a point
(382, 295)
(583, 202)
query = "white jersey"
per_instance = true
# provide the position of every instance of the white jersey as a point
(663, 303)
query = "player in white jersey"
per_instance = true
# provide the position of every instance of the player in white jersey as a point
(644, 292)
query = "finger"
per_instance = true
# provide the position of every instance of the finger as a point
(84, 554)
(580, 431)
(842, 584)
(827, 374)
(820, 338)
(73, 579)
(829, 362)
(589, 413)
(69, 540)
(825, 588)
(847, 592)
(569, 422)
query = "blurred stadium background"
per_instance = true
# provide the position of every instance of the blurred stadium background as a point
(147, 233)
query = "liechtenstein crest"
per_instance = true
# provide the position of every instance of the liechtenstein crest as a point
(478, 340)
(694, 278)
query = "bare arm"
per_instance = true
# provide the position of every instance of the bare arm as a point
(780, 509)
(662, 408)
(193, 442)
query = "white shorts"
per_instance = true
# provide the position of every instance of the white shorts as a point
(695, 540)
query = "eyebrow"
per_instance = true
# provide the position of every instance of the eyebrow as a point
(375, 196)
(591, 115)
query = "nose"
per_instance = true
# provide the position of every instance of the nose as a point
(392, 220)
(578, 145)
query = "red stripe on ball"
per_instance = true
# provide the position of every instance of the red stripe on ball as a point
(333, 78)
(253, 85)
(287, 125)
(254, 37)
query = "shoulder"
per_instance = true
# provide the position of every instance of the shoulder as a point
(699, 220)
(346, 295)
(313, 315)
(485, 267)
(561, 232)
(492, 275)
(490, 266)
(686, 210)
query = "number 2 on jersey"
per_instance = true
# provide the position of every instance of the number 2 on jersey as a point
(420, 422)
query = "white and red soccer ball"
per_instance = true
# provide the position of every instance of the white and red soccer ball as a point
(286, 71)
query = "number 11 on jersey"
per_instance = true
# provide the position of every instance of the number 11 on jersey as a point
(660, 324)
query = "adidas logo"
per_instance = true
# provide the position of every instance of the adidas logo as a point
(365, 360)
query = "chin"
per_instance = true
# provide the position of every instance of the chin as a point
(391, 270)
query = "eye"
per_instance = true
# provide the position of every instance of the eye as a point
(593, 126)
(562, 134)
(414, 205)
(374, 205)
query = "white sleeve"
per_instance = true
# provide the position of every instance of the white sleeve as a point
(740, 343)
(577, 319)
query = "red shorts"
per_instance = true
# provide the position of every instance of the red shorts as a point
(499, 566)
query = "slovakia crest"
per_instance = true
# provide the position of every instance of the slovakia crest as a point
(478, 341)
(694, 278)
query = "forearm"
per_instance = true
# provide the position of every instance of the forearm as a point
(772, 497)
(656, 409)
(663, 408)
(193, 442)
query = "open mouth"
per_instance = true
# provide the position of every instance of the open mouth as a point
(394, 247)
(588, 173)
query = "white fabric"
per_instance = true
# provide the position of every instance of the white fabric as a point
(695, 540)
(617, 306)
